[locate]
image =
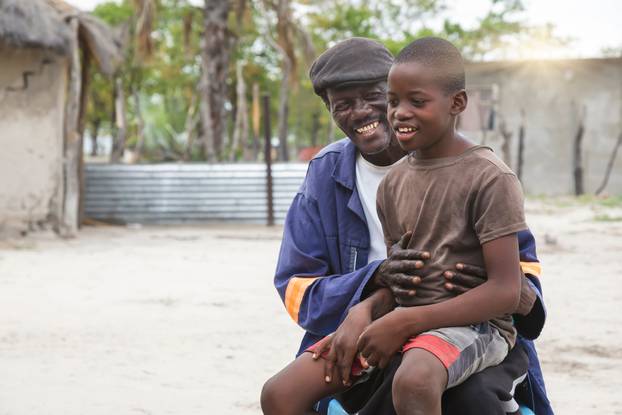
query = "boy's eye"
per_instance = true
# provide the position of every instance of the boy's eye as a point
(418, 102)
(392, 102)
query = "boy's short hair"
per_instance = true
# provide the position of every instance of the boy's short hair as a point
(440, 54)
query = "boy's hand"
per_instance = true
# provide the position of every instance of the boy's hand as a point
(463, 278)
(343, 344)
(382, 339)
(397, 272)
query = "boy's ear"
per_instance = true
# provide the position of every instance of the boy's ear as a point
(459, 102)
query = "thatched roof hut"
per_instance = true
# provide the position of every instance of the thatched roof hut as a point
(33, 24)
(43, 93)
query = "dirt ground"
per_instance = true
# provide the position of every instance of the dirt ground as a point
(184, 320)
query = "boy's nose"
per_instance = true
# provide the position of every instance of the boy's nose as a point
(401, 113)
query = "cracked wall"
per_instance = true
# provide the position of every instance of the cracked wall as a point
(32, 98)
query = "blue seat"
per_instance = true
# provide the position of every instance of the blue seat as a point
(526, 411)
(334, 408)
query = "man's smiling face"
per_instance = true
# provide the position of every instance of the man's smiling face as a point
(360, 111)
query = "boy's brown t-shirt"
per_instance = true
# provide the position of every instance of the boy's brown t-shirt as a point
(453, 205)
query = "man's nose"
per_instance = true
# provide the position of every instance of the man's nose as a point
(362, 108)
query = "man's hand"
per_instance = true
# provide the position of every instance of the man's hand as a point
(341, 345)
(463, 278)
(382, 339)
(398, 271)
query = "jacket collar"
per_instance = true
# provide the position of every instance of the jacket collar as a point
(344, 173)
(345, 167)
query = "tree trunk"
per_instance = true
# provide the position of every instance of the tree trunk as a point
(70, 216)
(120, 122)
(191, 124)
(240, 132)
(140, 130)
(94, 135)
(256, 122)
(612, 159)
(217, 45)
(205, 113)
(521, 145)
(284, 109)
(315, 128)
(578, 156)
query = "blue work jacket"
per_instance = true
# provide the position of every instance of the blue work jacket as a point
(322, 268)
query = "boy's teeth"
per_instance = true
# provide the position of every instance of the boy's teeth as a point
(405, 129)
(368, 127)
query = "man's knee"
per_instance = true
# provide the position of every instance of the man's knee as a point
(473, 397)
(272, 399)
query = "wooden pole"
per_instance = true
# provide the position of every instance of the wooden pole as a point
(578, 159)
(612, 159)
(268, 159)
(84, 101)
(71, 203)
(521, 145)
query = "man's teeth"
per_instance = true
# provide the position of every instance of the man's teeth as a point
(367, 128)
(405, 129)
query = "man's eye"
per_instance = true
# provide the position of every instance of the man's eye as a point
(373, 96)
(341, 107)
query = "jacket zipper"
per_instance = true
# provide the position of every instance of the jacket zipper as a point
(354, 253)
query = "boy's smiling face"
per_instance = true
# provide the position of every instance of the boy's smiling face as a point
(420, 110)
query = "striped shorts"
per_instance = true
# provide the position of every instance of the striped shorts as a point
(462, 350)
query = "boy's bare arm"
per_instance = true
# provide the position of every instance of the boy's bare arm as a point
(466, 277)
(499, 295)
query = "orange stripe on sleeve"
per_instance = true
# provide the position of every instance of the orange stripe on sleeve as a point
(294, 294)
(532, 268)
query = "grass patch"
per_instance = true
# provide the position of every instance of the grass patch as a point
(607, 218)
(583, 200)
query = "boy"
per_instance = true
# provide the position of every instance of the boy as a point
(464, 205)
(426, 96)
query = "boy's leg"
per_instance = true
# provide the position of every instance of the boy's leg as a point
(489, 392)
(419, 384)
(296, 388)
(459, 351)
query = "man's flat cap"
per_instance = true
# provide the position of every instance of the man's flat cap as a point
(353, 61)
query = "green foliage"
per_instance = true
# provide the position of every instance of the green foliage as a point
(167, 80)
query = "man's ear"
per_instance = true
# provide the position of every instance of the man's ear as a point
(459, 102)
(326, 103)
(324, 97)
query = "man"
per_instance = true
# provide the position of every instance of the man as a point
(333, 257)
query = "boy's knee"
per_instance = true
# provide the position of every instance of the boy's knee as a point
(415, 386)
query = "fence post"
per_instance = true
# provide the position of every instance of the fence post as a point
(268, 159)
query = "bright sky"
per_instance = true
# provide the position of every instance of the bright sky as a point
(592, 25)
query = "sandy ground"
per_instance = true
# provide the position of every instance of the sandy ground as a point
(184, 320)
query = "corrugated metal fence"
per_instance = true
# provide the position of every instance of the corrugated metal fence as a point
(188, 193)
